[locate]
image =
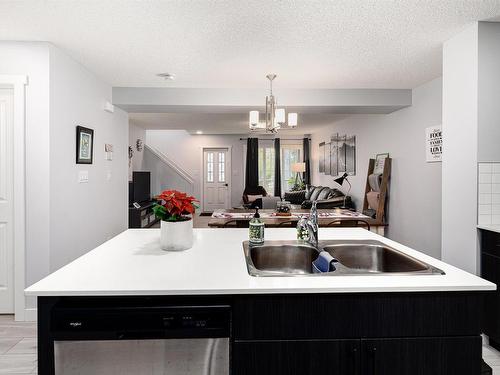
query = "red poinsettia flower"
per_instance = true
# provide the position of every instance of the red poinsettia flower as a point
(175, 205)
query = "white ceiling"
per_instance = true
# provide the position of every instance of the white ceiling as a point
(224, 123)
(234, 43)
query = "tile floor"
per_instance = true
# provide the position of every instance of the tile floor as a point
(18, 348)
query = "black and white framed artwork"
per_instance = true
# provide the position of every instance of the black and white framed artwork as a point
(322, 157)
(327, 158)
(338, 156)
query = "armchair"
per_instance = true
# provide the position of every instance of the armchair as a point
(253, 191)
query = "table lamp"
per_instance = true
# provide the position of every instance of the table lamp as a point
(340, 180)
(298, 168)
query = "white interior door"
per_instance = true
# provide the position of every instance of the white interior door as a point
(6, 202)
(216, 178)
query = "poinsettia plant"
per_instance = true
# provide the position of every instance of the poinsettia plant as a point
(174, 206)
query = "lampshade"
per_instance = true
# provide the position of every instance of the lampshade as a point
(276, 124)
(341, 179)
(280, 116)
(253, 119)
(292, 120)
(298, 167)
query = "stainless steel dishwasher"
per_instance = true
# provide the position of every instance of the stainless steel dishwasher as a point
(173, 340)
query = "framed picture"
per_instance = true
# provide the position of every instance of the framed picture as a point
(327, 158)
(341, 142)
(379, 163)
(350, 155)
(334, 155)
(322, 157)
(84, 145)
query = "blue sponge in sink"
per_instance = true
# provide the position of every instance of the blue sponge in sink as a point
(324, 263)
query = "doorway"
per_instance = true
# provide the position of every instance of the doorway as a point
(216, 178)
(6, 201)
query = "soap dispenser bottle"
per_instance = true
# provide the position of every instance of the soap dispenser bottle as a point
(256, 229)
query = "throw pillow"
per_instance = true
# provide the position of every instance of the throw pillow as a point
(252, 198)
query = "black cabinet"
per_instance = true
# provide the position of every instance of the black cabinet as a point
(297, 357)
(422, 356)
(393, 356)
(142, 217)
(345, 316)
(357, 334)
(490, 270)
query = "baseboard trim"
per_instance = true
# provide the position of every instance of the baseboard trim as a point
(30, 315)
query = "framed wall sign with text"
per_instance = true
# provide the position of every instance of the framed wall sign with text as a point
(433, 144)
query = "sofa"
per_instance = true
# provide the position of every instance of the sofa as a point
(326, 197)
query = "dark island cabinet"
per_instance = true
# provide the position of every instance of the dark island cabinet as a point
(403, 356)
(422, 356)
(297, 357)
(357, 334)
(490, 270)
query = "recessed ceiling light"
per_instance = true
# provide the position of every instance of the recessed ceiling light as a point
(167, 76)
(199, 132)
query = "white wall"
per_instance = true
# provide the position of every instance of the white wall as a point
(65, 219)
(415, 187)
(135, 133)
(32, 59)
(186, 151)
(460, 131)
(488, 91)
(83, 216)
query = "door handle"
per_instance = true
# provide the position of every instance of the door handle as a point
(355, 360)
(374, 359)
(226, 184)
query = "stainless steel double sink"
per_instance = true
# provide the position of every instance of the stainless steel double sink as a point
(355, 257)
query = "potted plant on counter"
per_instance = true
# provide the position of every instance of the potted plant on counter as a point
(174, 209)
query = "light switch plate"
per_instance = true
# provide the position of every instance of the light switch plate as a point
(83, 177)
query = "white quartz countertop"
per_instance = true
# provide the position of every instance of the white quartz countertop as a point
(490, 227)
(132, 263)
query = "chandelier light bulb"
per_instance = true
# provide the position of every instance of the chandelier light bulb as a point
(254, 119)
(292, 120)
(280, 116)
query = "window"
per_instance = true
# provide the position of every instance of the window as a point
(290, 154)
(266, 168)
(210, 167)
(222, 165)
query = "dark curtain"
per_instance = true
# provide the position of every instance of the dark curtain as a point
(307, 156)
(252, 167)
(277, 168)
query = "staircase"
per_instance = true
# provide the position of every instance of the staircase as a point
(165, 173)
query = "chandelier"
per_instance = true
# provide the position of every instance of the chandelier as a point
(275, 117)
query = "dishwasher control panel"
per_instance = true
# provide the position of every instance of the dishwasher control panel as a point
(144, 322)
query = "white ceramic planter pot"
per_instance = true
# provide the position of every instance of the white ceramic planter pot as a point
(176, 235)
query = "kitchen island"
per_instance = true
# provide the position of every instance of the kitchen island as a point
(368, 324)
